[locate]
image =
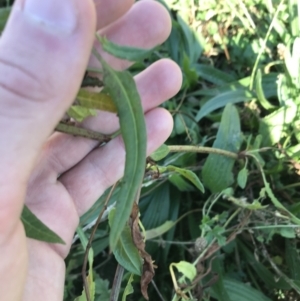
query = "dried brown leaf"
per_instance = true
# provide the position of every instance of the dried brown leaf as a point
(138, 240)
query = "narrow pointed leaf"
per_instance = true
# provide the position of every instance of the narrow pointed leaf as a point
(35, 229)
(129, 288)
(100, 101)
(79, 113)
(160, 153)
(124, 52)
(123, 91)
(189, 175)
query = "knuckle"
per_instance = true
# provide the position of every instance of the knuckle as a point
(17, 84)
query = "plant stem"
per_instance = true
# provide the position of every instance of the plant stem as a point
(201, 149)
(115, 291)
(81, 132)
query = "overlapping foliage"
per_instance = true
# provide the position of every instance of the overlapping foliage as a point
(220, 205)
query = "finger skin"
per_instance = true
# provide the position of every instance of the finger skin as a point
(146, 25)
(36, 60)
(114, 9)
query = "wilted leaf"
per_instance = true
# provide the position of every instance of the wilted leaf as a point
(35, 229)
(79, 113)
(125, 251)
(138, 239)
(217, 170)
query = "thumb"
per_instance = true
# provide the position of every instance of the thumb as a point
(44, 51)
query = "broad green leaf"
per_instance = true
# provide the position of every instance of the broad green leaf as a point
(189, 175)
(79, 113)
(242, 177)
(124, 52)
(4, 14)
(122, 88)
(218, 288)
(35, 228)
(239, 291)
(158, 231)
(125, 251)
(187, 269)
(160, 153)
(102, 290)
(217, 170)
(100, 101)
(273, 126)
(221, 100)
(129, 288)
(260, 93)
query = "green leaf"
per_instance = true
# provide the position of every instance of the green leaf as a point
(125, 251)
(189, 175)
(260, 93)
(180, 183)
(100, 101)
(221, 100)
(242, 177)
(89, 278)
(217, 170)
(122, 88)
(129, 288)
(213, 75)
(124, 52)
(160, 230)
(102, 290)
(4, 14)
(160, 153)
(79, 113)
(35, 229)
(238, 291)
(292, 258)
(187, 269)
(272, 127)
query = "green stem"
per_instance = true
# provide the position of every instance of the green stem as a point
(263, 47)
(201, 149)
(78, 131)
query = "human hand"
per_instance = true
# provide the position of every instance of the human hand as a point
(44, 52)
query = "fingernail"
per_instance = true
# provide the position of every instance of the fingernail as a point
(60, 14)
